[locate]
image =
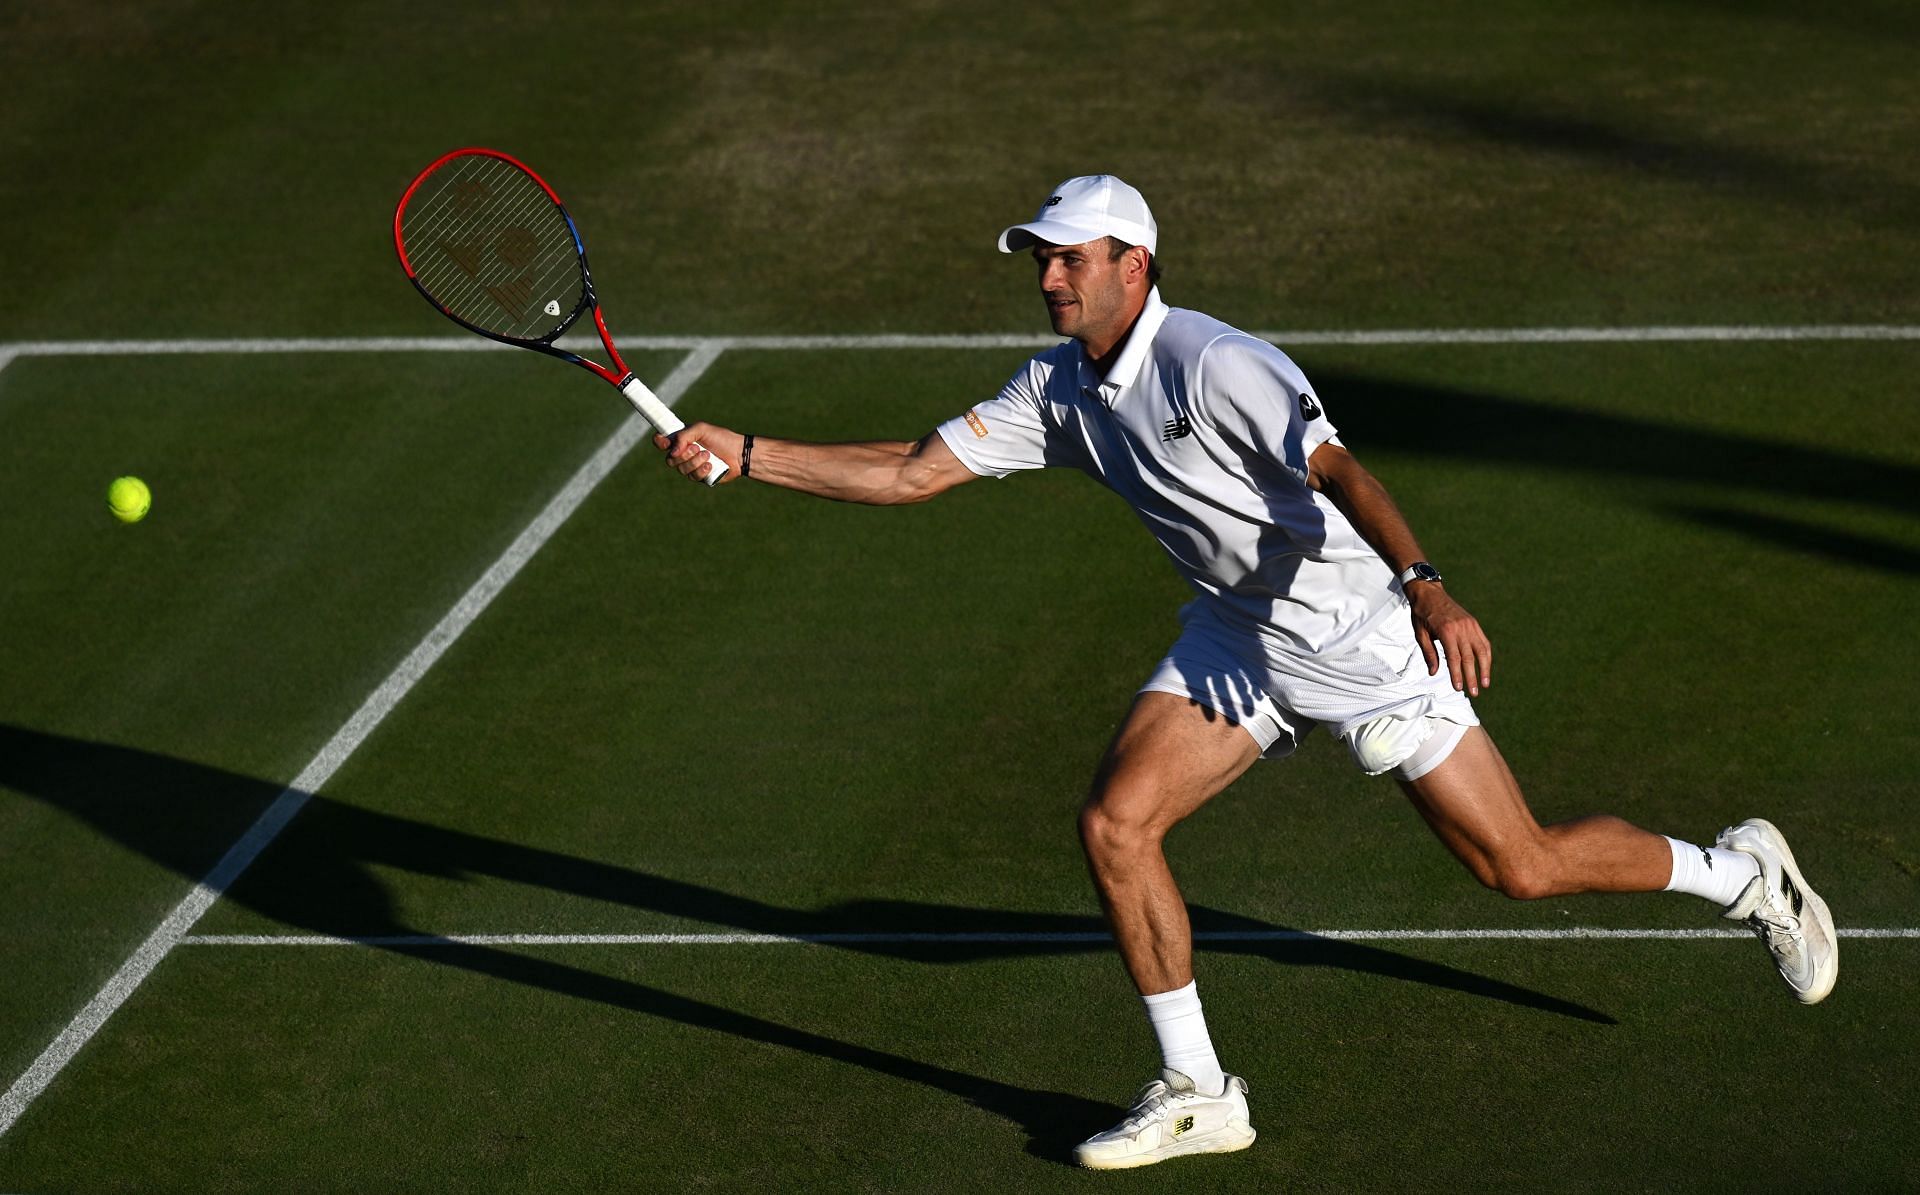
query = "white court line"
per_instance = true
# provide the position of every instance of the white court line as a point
(343, 744)
(859, 939)
(1385, 336)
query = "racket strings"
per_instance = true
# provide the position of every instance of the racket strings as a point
(489, 244)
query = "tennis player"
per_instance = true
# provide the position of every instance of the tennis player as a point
(1314, 605)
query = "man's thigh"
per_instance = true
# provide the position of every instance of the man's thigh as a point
(1474, 804)
(1171, 755)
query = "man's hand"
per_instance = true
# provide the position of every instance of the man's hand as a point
(1437, 617)
(688, 450)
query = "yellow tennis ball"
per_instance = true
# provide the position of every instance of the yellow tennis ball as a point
(128, 498)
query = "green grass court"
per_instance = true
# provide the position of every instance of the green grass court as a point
(752, 714)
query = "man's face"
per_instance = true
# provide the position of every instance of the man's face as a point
(1083, 288)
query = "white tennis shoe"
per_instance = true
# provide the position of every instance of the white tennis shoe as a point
(1785, 913)
(1168, 1119)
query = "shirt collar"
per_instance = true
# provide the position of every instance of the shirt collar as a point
(1133, 355)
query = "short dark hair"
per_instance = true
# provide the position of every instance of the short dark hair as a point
(1116, 246)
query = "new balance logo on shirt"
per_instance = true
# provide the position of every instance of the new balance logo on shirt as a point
(1176, 428)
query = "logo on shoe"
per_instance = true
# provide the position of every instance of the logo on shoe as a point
(1182, 1125)
(1792, 893)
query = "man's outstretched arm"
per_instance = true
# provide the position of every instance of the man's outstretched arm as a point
(878, 473)
(1333, 471)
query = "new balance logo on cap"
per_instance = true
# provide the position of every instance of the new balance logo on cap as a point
(1085, 209)
(1175, 429)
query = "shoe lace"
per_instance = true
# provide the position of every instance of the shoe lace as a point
(1147, 1105)
(1776, 927)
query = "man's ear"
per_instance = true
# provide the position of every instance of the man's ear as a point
(1137, 260)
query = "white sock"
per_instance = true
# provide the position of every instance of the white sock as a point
(1184, 1044)
(1708, 871)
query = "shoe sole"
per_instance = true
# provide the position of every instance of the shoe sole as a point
(1824, 979)
(1225, 1141)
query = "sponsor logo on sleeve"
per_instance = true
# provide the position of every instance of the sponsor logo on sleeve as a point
(1309, 409)
(977, 424)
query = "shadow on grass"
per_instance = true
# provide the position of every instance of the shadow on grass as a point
(1892, 23)
(1438, 422)
(1806, 538)
(1632, 146)
(322, 880)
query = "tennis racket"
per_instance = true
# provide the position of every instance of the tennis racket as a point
(489, 244)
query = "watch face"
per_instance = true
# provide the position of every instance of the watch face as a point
(1424, 572)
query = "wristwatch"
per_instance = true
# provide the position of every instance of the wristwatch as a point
(1419, 570)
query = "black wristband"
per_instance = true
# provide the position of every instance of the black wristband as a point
(746, 457)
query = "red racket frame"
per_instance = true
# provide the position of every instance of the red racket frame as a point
(619, 375)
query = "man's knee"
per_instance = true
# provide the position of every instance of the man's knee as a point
(1115, 820)
(1527, 883)
(1520, 873)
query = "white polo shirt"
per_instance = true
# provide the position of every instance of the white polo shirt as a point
(1205, 431)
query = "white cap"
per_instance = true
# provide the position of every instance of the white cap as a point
(1086, 209)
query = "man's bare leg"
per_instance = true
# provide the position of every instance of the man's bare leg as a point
(1169, 758)
(1474, 804)
(1476, 808)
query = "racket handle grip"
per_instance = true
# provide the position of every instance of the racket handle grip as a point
(665, 421)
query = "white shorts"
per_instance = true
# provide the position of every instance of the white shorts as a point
(1377, 697)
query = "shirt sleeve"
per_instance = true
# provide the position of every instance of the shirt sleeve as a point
(1256, 396)
(1011, 431)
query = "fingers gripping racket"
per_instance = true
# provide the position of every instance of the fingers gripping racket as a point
(487, 241)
